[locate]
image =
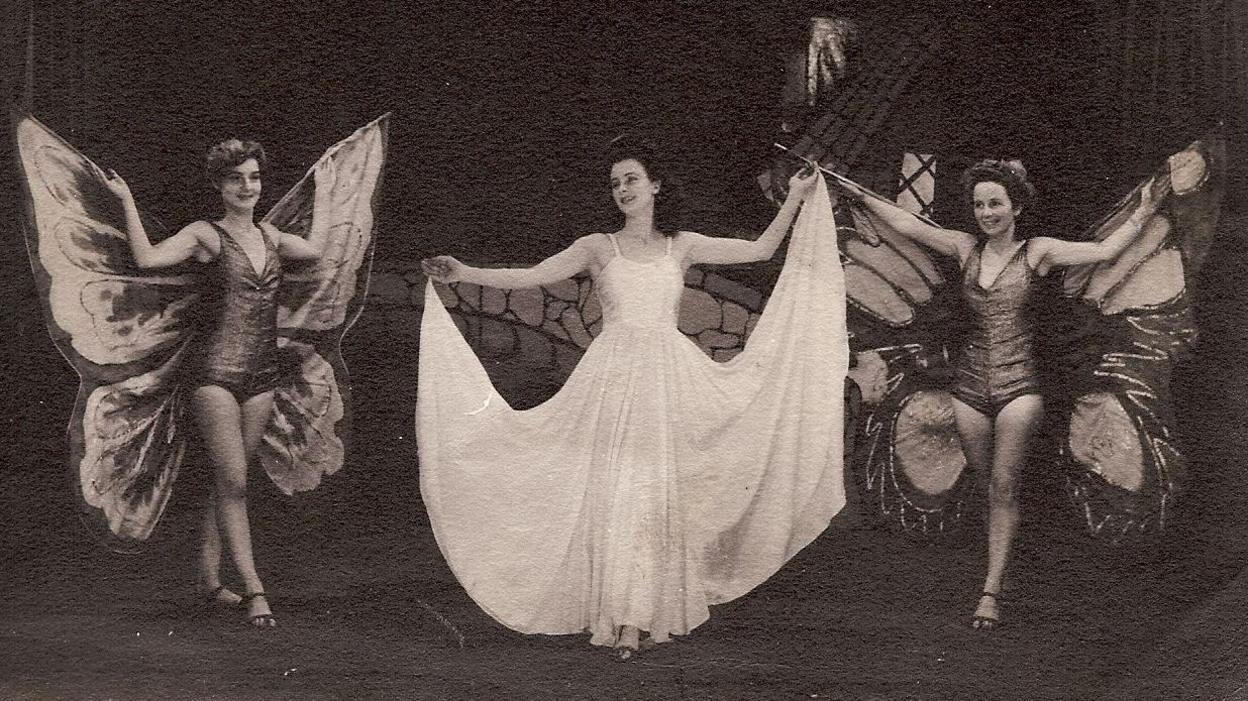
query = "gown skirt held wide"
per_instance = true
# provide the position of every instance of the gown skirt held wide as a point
(656, 481)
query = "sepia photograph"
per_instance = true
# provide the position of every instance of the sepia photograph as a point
(668, 350)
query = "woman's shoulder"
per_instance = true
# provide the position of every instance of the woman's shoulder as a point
(967, 245)
(596, 237)
(199, 225)
(684, 237)
(1037, 246)
(592, 241)
(202, 230)
(270, 231)
(206, 238)
(1035, 250)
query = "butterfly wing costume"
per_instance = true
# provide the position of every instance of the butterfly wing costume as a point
(128, 332)
(1120, 327)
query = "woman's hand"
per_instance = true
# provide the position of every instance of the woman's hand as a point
(116, 185)
(802, 183)
(444, 269)
(1146, 208)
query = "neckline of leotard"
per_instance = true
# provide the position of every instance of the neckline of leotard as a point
(251, 264)
(979, 264)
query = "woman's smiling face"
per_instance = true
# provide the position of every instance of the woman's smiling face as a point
(631, 186)
(240, 187)
(994, 212)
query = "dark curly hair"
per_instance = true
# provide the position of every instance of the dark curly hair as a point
(667, 201)
(224, 156)
(1008, 174)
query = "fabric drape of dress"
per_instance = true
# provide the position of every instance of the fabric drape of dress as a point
(656, 481)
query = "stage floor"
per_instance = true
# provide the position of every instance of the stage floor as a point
(368, 610)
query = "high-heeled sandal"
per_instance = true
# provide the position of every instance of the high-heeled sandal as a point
(210, 600)
(260, 620)
(986, 623)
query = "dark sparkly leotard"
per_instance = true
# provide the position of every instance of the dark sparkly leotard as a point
(997, 364)
(237, 346)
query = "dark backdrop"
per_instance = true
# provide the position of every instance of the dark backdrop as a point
(498, 116)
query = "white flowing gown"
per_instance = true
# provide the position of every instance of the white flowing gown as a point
(656, 481)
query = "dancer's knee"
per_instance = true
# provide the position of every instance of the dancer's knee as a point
(1003, 492)
(231, 486)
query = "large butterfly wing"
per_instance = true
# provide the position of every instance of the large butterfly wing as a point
(906, 454)
(318, 302)
(1123, 463)
(122, 329)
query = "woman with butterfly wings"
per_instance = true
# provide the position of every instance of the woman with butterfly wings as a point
(997, 401)
(228, 325)
(1126, 286)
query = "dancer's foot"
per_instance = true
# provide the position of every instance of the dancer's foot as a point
(258, 613)
(218, 595)
(987, 616)
(627, 643)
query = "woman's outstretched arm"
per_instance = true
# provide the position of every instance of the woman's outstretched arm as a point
(173, 250)
(561, 266)
(313, 247)
(949, 242)
(712, 250)
(1055, 253)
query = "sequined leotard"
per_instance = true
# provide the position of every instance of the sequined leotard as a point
(237, 346)
(997, 364)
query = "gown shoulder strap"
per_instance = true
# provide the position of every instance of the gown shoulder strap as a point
(615, 246)
(668, 243)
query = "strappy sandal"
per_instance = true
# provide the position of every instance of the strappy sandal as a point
(260, 620)
(211, 600)
(212, 595)
(987, 623)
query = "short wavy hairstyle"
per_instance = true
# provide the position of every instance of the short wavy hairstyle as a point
(229, 154)
(1008, 174)
(667, 201)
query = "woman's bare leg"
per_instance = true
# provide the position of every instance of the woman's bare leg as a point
(228, 429)
(975, 432)
(257, 412)
(210, 554)
(1014, 426)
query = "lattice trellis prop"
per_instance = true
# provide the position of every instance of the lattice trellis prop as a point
(916, 190)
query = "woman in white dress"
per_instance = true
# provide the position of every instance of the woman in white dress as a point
(656, 481)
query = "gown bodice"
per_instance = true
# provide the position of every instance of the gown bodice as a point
(640, 295)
